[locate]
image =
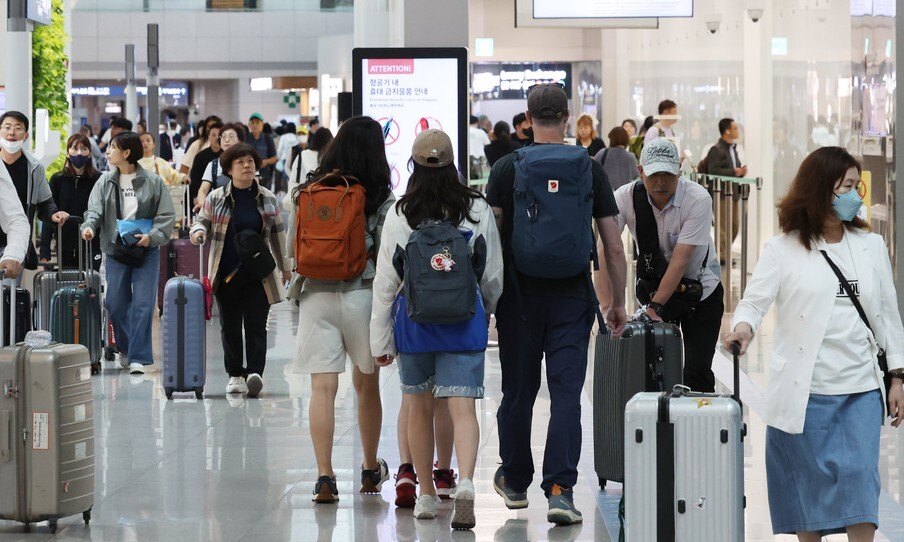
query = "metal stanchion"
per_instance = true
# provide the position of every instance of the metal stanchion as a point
(745, 195)
(725, 240)
(759, 212)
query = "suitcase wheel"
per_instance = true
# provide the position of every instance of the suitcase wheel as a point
(199, 393)
(109, 353)
(168, 392)
(95, 368)
(53, 526)
(602, 484)
(86, 515)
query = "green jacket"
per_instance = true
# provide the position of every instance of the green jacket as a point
(154, 202)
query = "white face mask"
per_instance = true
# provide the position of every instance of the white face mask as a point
(11, 147)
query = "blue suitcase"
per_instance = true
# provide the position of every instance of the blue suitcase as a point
(184, 335)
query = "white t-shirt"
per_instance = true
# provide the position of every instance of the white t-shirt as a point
(208, 171)
(687, 219)
(844, 363)
(129, 200)
(477, 139)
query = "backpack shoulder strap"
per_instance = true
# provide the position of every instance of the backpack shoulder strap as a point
(215, 171)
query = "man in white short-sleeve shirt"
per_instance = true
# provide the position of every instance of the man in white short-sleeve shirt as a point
(682, 210)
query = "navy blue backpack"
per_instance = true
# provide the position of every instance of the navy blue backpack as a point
(552, 236)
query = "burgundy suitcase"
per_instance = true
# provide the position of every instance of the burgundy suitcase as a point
(177, 259)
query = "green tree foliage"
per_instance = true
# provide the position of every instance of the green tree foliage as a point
(49, 67)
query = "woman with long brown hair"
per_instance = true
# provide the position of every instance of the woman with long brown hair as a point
(837, 320)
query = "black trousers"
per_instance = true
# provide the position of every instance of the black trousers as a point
(243, 306)
(700, 329)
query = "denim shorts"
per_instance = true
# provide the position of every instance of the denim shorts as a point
(448, 374)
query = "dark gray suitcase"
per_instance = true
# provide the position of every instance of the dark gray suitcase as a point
(185, 334)
(647, 357)
(46, 283)
(47, 399)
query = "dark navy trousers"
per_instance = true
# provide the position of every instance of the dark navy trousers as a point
(530, 326)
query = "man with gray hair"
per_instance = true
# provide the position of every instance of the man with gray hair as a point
(677, 265)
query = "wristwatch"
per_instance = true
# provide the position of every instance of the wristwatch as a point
(896, 373)
(657, 308)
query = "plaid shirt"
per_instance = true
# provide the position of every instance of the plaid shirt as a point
(214, 218)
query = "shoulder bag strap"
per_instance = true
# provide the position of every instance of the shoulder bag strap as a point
(603, 158)
(117, 195)
(647, 232)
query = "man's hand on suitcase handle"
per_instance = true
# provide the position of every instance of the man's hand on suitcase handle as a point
(197, 238)
(87, 234)
(616, 318)
(742, 335)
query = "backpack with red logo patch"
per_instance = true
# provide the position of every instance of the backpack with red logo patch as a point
(330, 241)
(440, 273)
(552, 235)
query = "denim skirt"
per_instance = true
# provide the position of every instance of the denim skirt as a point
(827, 477)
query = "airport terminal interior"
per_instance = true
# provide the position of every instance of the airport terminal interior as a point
(795, 75)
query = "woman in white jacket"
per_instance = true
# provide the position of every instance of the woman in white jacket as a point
(435, 193)
(826, 396)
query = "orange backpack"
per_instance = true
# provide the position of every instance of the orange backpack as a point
(330, 229)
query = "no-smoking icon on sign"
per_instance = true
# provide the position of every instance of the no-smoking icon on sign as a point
(391, 130)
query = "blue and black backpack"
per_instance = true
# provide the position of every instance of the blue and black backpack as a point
(552, 234)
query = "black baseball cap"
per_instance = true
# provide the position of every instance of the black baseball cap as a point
(547, 101)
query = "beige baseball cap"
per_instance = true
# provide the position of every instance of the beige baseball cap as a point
(433, 148)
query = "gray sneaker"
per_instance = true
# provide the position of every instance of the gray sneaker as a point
(514, 500)
(561, 507)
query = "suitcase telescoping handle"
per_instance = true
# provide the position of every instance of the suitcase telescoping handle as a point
(11, 284)
(82, 266)
(201, 260)
(736, 362)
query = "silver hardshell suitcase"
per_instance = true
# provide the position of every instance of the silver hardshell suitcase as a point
(684, 467)
(46, 433)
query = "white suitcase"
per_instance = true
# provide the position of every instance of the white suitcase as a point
(684, 467)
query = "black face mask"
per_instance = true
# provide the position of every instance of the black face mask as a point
(79, 161)
(528, 133)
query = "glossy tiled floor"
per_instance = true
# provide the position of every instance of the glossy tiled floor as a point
(230, 470)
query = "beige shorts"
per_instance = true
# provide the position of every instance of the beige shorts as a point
(331, 327)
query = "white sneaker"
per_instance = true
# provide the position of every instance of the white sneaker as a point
(136, 368)
(123, 361)
(463, 517)
(425, 507)
(236, 384)
(254, 385)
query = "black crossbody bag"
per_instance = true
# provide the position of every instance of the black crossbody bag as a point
(882, 358)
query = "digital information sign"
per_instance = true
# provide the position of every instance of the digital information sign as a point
(408, 90)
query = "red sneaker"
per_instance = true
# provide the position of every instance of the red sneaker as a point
(406, 486)
(444, 480)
